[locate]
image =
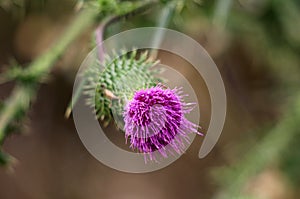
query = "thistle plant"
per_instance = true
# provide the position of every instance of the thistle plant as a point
(89, 14)
(155, 118)
(152, 116)
(128, 88)
(113, 88)
(120, 78)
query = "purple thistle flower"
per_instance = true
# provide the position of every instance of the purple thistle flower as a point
(154, 118)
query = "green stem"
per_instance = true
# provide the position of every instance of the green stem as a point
(221, 13)
(44, 63)
(22, 94)
(20, 99)
(163, 21)
(99, 38)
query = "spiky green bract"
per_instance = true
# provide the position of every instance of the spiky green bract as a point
(110, 84)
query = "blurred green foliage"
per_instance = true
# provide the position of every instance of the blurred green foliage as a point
(28, 78)
(290, 161)
(269, 32)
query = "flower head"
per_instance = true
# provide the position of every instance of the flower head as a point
(155, 118)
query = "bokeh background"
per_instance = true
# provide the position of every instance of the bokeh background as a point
(256, 46)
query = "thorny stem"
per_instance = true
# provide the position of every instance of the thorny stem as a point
(99, 38)
(21, 97)
(42, 65)
(19, 100)
(99, 33)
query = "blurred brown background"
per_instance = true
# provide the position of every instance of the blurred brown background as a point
(53, 163)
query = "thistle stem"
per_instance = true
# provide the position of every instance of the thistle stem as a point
(21, 96)
(19, 100)
(99, 33)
